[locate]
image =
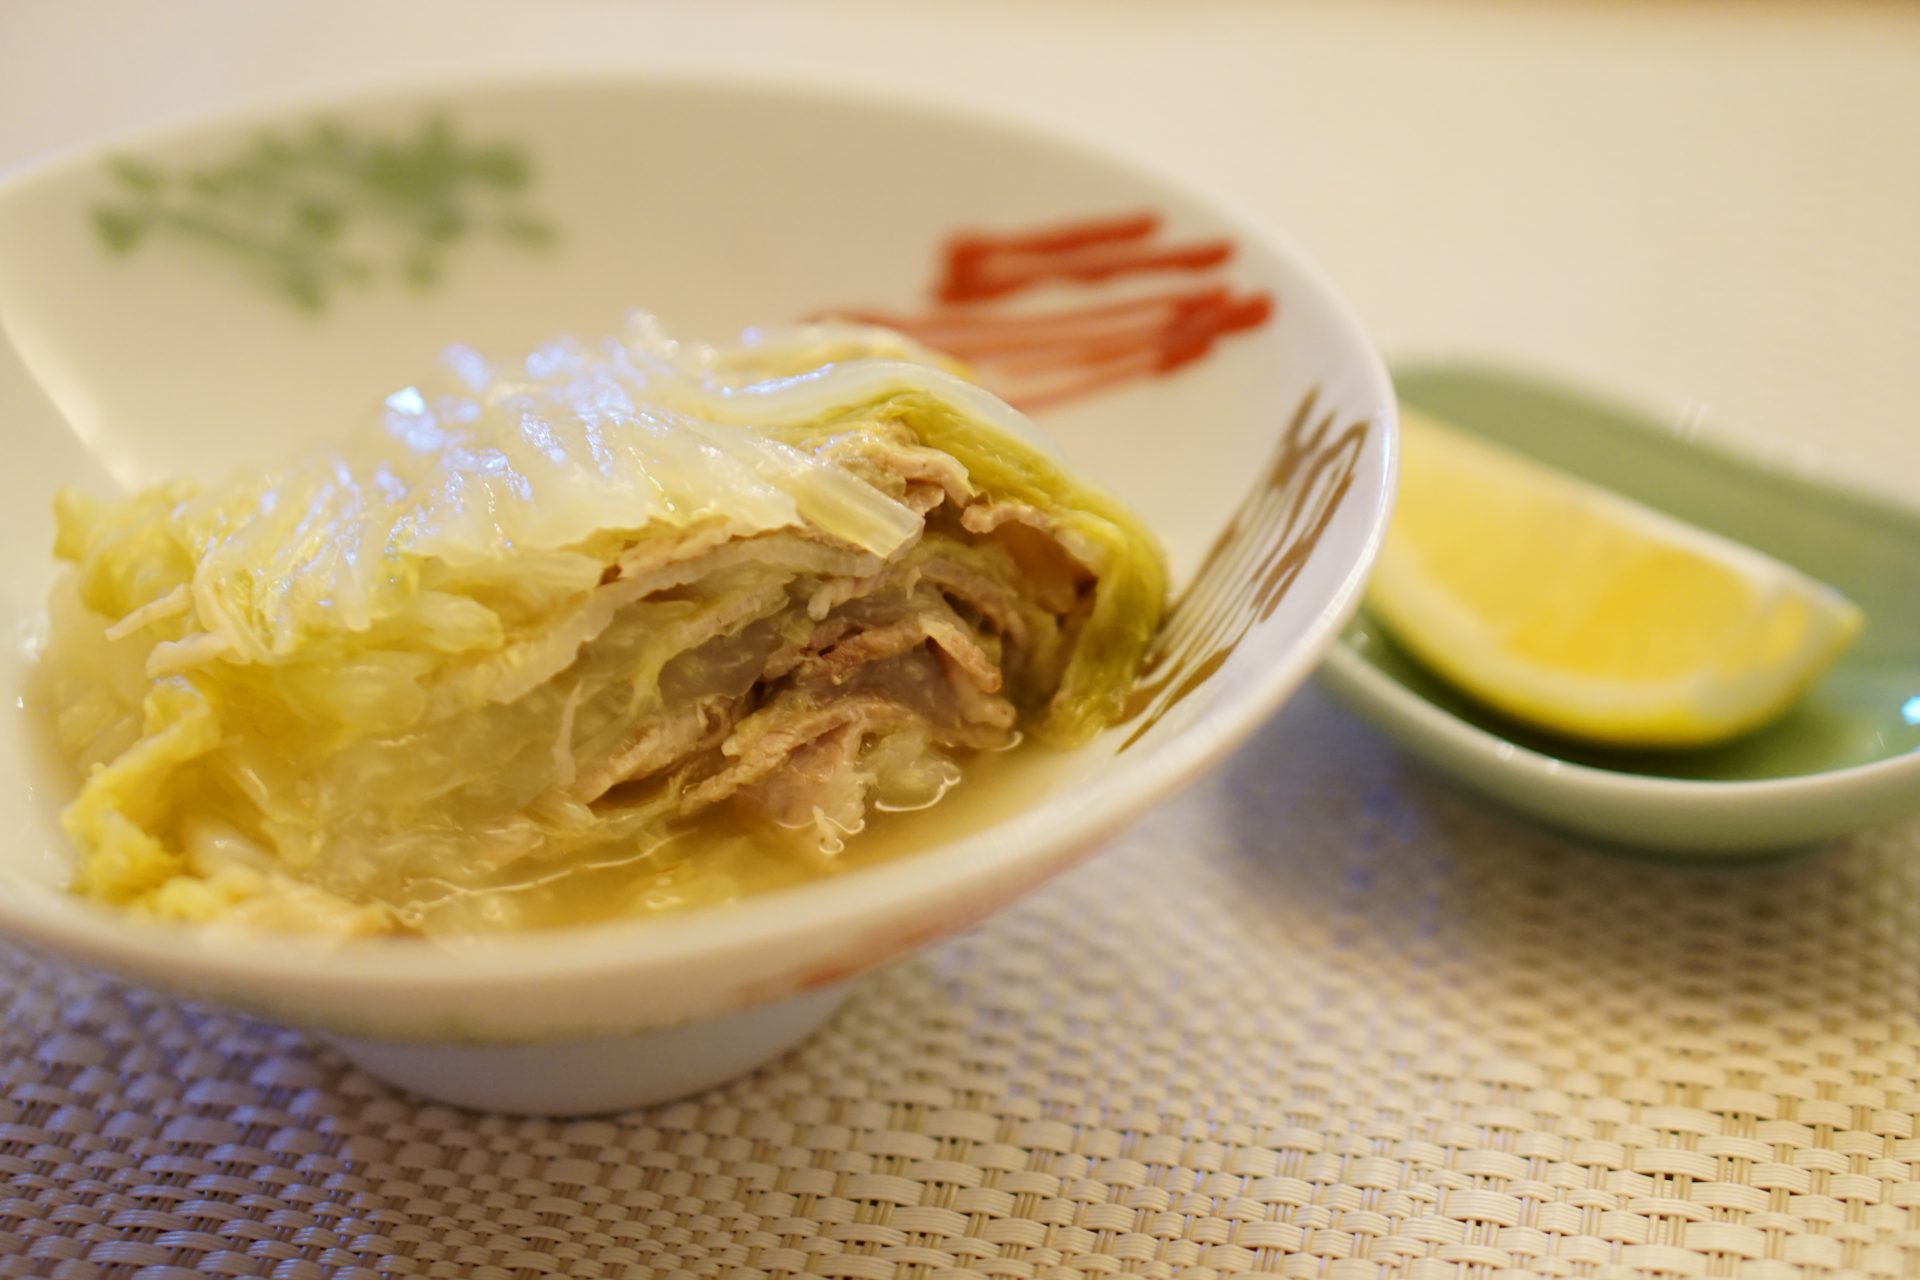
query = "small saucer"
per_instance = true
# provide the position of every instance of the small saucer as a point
(1846, 756)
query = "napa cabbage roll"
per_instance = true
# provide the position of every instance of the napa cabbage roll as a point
(656, 615)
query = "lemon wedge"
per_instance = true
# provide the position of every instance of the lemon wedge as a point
(1581, 612)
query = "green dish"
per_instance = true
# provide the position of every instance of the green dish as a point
(1847, 755)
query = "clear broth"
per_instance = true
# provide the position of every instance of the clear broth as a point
(719, 859)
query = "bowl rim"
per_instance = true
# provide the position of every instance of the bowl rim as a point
(1354, 675)
(1011, 856)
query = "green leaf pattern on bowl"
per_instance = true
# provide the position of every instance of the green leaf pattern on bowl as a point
(307, 212)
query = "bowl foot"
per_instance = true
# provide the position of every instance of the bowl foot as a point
(595, 1074)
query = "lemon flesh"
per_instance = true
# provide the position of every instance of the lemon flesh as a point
(1583, 613)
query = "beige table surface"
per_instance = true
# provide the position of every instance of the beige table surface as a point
(1320, 1016)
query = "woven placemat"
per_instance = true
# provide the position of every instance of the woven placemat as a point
(1320, 1017)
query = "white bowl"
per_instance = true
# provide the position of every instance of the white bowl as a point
(716, 205)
